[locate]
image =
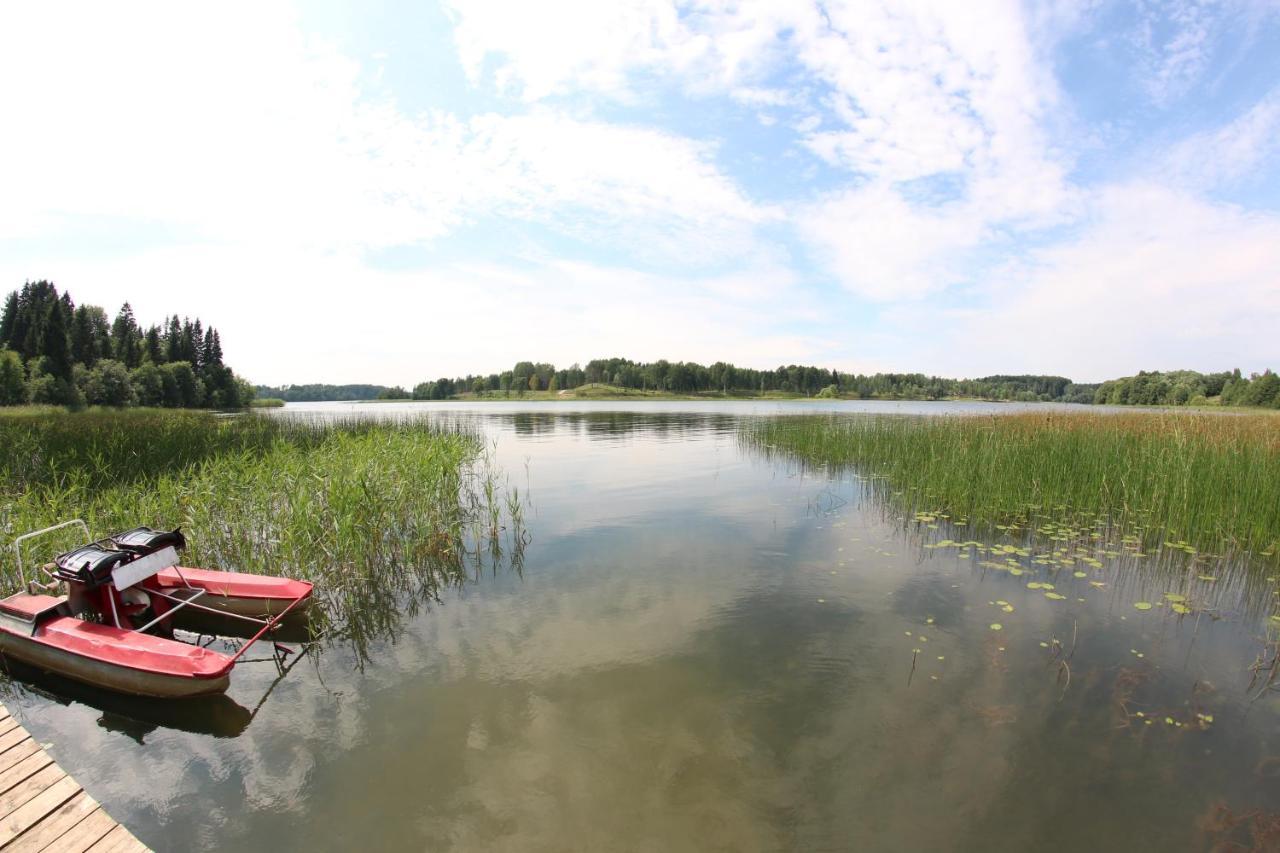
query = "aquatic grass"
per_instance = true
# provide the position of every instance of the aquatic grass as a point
(380, 514)
(1191, 480)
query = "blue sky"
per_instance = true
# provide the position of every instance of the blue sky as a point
(393, 191)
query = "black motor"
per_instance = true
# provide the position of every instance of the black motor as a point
(90, 565)
(143, 540)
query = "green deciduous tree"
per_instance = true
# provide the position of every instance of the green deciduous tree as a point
(13, 379)
(108, 384)
(187, 387)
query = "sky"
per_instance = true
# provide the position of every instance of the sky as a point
(391, 192)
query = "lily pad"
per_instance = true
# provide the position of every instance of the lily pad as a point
(1142, 605)
(996, 626)
(1054, 596)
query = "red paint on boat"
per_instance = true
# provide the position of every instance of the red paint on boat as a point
(233, 584)
(122, 647)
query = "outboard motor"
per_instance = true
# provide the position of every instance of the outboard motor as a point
(90, 565)
(143, 540)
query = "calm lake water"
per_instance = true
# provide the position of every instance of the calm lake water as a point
(710, 649)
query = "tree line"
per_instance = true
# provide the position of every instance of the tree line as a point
(1187, 387)
(55, 352)
(692, 378)
(686, 377)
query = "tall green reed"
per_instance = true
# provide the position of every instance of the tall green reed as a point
(1209, 480)
(381, 515)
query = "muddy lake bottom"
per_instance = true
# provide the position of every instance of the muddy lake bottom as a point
(710, 648)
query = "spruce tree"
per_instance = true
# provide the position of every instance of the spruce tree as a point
(153, 349)
(84, 346)
(126, 338)
(56, 348)
(8, 319)
(173, 339)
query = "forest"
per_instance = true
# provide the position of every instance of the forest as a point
(1187, 387)
(1175, 388)
(54, 352)
(722, 378)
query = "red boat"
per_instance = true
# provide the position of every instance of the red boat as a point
(125, 595)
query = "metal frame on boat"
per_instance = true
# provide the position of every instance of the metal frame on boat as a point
(92, 633)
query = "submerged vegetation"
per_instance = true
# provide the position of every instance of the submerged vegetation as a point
(380, 514)
(1210, 482)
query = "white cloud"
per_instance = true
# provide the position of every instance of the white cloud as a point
(295, 316)
(1155, 280)
(144, 118)
(539, 50)
(1229, 153)
(1174, 37)
(886, 249)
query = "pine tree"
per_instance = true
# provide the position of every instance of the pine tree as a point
(197, 347)
(8, 319)
(56, 354)
(173, 339)
(84, 346)
(126, 338)
(211, 350)
(153, 349)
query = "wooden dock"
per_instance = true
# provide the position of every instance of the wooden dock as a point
(42, 808)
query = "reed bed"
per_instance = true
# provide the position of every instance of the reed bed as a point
(1208, 481)
(381, 515)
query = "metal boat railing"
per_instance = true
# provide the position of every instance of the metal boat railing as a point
(17, 548)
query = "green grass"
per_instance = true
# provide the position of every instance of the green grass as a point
(1212, 481)
(379, 514)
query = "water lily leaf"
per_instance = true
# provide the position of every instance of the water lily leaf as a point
(1180, 609)
(1142, 605)
(996, 626)
(1054, 596)
(1008, 608)
(1175, 597)
(1081, 574)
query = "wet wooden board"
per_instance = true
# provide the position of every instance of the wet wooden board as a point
(42, 808)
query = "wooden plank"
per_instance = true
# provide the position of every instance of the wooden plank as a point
(10, 739)
(26, 767)
(84, 834)
(36, 809)
(42, 808)
(30, 788)
(18, 753)
(55, 826)
(118, 840)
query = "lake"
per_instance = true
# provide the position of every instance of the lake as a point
(707, 647)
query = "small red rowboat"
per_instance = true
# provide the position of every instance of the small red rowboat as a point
(124, 596)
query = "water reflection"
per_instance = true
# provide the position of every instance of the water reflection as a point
(708, 649)
(134, 716)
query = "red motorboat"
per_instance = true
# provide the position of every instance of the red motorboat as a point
(124, 597)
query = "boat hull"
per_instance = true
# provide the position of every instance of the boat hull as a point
(35, 631)
(257, 596)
